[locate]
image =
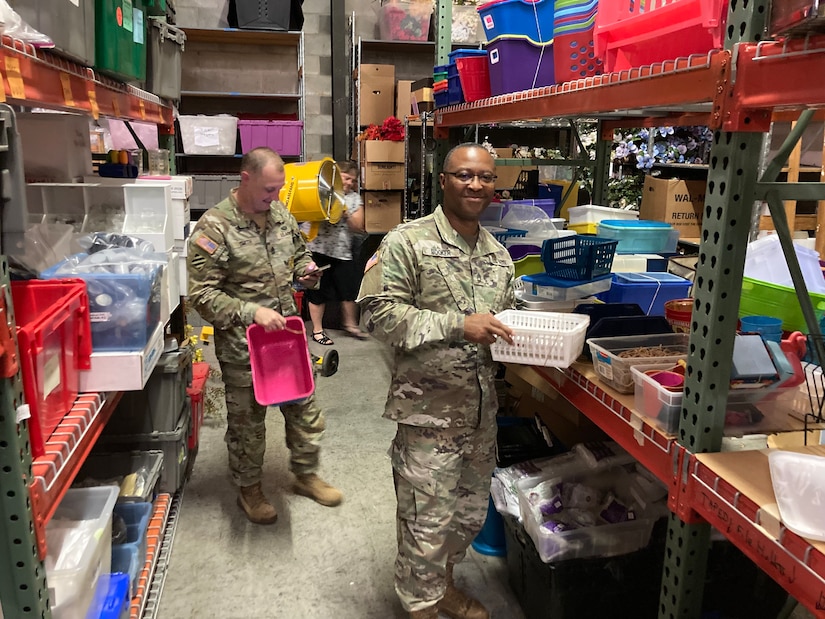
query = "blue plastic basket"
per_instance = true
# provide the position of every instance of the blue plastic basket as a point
(511, 233)
(578, 257)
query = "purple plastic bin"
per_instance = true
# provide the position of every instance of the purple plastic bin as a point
(282, 136)
(281, 365)
(517, 64)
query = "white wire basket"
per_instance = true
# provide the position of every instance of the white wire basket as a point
(547, 339)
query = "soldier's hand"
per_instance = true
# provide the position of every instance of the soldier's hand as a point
(312, 275)
(486, 329)
(269, 319)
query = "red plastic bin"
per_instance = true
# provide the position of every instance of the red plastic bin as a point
(54, 342)
(282, 136)
(474, 74)
(634, 33)
(200, 372)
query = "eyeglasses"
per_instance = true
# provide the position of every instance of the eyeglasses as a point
(466, 178)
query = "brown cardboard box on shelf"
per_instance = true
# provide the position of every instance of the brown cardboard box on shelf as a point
(383, 151)
(403, 103)
(383, 165)
(675, 202)
(508, 174)
(382, 210)
(376, 99)
(423, 100)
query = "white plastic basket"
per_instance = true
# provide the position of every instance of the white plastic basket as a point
(547, 339)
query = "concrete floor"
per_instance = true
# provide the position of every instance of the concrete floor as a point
(315, 562)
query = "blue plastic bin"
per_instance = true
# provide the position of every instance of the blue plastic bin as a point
(111, 600)
(125, 561)
(518, 18)
(124, 308)
(649, 290)
(639, 236)
(136, 516)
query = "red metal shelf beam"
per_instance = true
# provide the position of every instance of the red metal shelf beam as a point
(33, 78)
(790, 560)
(664, 90)
(660, 454)
(66, 451)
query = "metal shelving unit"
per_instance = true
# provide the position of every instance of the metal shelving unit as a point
(33, 488)
(734, 91)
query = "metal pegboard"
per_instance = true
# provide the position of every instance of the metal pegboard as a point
(23, 591)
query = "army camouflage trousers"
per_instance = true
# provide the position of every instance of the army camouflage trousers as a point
(442, 484)
(246, 435)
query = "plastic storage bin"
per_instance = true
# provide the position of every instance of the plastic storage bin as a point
(70, 25)
(639, 236)
(125, 561)
(120, 38)
(474, 75)
(107, 468)
(124, 309)
(527, 18)
(209, 135)
(655, 401)
(799, 483)
(574, 51)
(541, 338)
(200, 374)
(159, 405)
(290, 380)
(549, 288)
(282, 136)
(631, 34)
(111, 596)
(53, 339)
(649, 290)
(763, 298)
(466, 25)
(577, 257)
(614, 370)
(163, 63)
(85, 517)
(593, 214)
(209, 190)
(517, 64)
(404, 21)
(766, 262)
(263, 14)
(174, 445)
(136, 517)
(455, 94)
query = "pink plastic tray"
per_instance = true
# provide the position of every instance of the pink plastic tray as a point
(281, 365)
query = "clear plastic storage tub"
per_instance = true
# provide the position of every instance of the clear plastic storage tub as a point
(551, 289)
(79, 540)
(593, 213)
(613, 368)
(639, 236)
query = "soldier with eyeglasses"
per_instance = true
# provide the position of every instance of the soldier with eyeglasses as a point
(432, 291)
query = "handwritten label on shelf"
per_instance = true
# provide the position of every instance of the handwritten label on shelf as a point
(66, 84)
(93, 103)
(15, 77)
(116, 106)
(142, 109)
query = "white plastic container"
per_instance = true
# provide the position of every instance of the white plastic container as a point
(541, 338)
(766, 262)
(148, 208)
(72, 570)
(209, 135)
(593, 214)
(799, 485)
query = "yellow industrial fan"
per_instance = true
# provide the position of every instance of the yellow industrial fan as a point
(314, 192)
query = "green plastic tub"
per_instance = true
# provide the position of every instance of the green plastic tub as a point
(120, 39)
(765, 299)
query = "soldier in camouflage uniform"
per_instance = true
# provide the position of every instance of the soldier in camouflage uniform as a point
(430, 292)
(244, 254)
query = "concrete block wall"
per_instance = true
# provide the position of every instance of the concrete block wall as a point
(317, 79)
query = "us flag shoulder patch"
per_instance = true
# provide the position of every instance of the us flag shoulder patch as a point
(371, 262)
(206, 244)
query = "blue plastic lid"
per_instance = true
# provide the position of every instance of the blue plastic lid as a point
(463, 53)
(649, 277)
(636, 224)
(441, 68)
(543, 279)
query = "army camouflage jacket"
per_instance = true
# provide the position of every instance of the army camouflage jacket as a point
(415, 293)
(235, 268)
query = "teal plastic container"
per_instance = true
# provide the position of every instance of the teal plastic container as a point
(120, 39)
(639, 236)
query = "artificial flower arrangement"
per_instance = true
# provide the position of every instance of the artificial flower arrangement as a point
(391, 130)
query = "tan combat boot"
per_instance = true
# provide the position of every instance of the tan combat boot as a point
(317, 489)
(457, 604)
(430, 612)
(255, 505)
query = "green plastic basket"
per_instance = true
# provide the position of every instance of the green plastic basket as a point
(765, 299)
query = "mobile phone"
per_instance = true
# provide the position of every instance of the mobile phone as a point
(323, 268)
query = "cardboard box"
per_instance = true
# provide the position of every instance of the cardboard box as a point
(508, 174)
(382, 211)
(403, 105)
(675, 202)
(383, 176)
(382, 151)
(376, 100)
